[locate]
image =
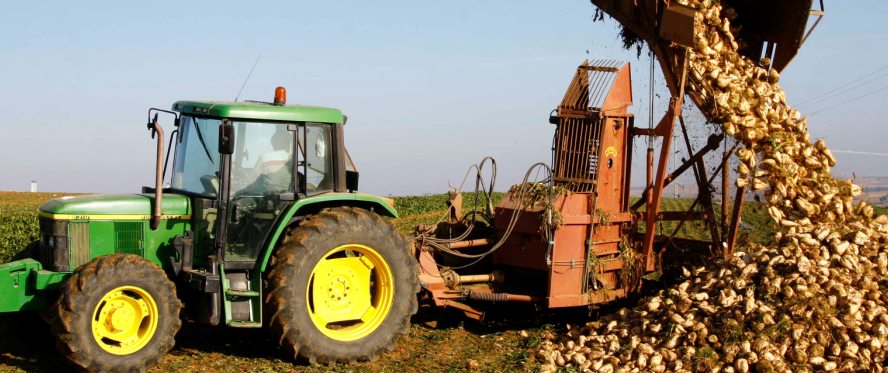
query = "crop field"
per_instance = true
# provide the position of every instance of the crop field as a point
(18, 220)
(437, 341)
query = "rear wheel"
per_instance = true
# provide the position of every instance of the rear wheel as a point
(342, 287)
(116, 313)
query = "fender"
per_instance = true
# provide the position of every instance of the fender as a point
(377, 204)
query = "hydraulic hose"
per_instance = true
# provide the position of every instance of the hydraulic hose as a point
(501, 297)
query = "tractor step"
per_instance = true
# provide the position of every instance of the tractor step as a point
(241, 293)
(244, 324)
(242, 300)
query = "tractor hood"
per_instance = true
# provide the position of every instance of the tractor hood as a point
(115, 207)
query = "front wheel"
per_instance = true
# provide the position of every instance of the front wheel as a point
(116, 313)
(342, 287)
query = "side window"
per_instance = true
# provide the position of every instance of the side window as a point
(318, 157)
(262, 160)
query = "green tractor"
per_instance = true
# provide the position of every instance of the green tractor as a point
(261, 226)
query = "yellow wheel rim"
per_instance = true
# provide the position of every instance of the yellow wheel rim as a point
(350, 292)
(125, 320)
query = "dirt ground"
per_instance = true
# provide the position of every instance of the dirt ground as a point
(437, 341)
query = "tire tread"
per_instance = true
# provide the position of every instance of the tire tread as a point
(83, 289)
(286, 261)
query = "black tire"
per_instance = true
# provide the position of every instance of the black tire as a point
(78, 302)
(291, 273)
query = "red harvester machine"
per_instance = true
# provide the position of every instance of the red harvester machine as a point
(576, 239)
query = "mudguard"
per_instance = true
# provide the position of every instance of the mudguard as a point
(379, 205)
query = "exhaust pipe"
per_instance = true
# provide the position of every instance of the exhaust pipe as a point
(158, 175)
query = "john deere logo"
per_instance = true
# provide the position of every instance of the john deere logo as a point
(610, 152)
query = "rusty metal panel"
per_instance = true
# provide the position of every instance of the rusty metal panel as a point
(606, 234)
(779, 23)
(568, 260)
(522, 250)
(600, 296)
(677, 24)
(612, 169)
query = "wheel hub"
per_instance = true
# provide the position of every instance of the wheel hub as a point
(125, 320)
(352, 289)
(342, 289)
(339, 288)
(121, 317)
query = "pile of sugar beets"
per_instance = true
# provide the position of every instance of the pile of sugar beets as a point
(811, 301)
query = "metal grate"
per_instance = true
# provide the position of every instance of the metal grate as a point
(577, 150)
(596, 80)
(128, 238)
(78, 243)
(578, 135)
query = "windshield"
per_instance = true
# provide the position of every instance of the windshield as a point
(264, 158)
(197, 156)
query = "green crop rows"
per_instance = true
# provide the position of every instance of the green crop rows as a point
(19, 227)
(18, 221)
(418, 205)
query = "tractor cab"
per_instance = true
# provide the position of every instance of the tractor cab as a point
(253, 164)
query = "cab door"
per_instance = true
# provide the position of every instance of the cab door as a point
(261, 173)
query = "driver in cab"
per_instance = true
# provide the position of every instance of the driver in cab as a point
(272, 171)
(272, 168)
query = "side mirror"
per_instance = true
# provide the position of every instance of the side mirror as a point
(351, 181)
(226, 138)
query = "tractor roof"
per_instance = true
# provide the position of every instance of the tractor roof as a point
(260, 111)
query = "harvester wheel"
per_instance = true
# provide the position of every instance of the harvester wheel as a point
(116, 313)
(341, 288)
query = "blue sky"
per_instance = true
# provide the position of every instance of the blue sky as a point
(429, 87)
